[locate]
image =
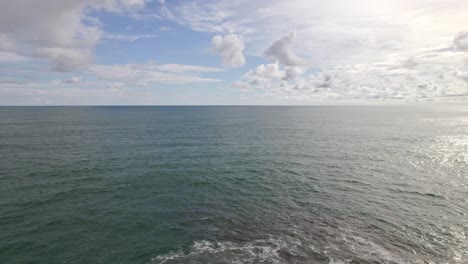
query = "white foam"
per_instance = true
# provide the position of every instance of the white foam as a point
(258, 251)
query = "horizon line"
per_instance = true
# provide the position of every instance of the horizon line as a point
(245, 105)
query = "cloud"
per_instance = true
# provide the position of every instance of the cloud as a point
(134, 3)
(57, 95)
(293, 73)
(429, 74)
(57, 31)
(330, 31)
(146, 73)
(281, 51)
(164, 28)
(268, 76)
(11, 57)
(116, 85)
(182, 68)
(65, 59)
(5, 43)
(263, 74)
(461, 41)
(230, 48)
(462, 74)
(74, 79)
(13, 82)
(103, 84)
(129, 38)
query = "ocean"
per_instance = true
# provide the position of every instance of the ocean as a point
(234, 184)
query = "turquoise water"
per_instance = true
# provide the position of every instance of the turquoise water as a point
(233, 185)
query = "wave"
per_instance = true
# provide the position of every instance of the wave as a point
(263, 251)
(346, 249)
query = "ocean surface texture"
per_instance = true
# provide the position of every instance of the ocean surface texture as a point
(233, 185)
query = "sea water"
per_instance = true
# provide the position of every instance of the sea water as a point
(234, 184)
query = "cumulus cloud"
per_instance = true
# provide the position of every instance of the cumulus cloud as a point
(58, 31)
(461, 41)
(430, 74)
(293, 73)
(269, 71)
(462, 74)
(230, 48)
(281, 51)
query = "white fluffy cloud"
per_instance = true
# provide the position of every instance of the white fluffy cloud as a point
(266, 75)
(56, 30)
(424, 74)
(461, 41)
(281, 51)
(230, 48)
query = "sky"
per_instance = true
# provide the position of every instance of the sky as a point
(217, 52)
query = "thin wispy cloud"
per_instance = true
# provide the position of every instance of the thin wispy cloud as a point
(133, 74)
(126, 37)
